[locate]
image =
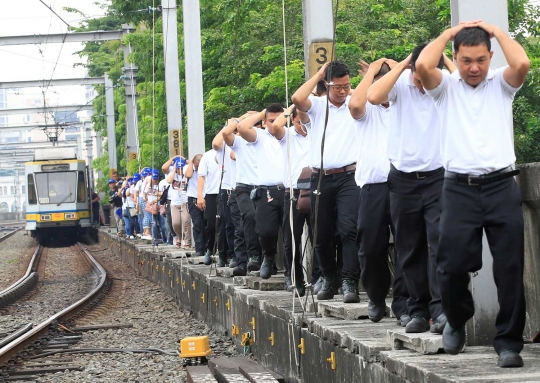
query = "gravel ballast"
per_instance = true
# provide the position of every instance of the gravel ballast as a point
(15, 252)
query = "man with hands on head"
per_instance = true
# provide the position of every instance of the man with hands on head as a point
(246, 181)
(415, 183)
(294, 145)
(338, 194)
(168, 167)
(270, 190)
(374, 221)
(479, 192)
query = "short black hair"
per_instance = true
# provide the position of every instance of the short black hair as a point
(337, 69)
(294, 112)
(471, 37)
(385, 68)
(321, 88)
(258, 123)
(416, 53)
(274, 108)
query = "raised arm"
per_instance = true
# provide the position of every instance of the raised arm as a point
(300, 98)
(378, 92)
(358, 101)
(518, 62)
(167, 165)
(246, 127)
(449, 64)
(280, 122)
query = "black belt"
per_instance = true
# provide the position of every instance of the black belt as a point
(273, 187)
(244, 186)
(416, 175)
(483, 179)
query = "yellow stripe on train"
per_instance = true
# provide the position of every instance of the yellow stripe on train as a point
(58, 216)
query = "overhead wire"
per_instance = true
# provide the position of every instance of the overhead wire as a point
(52, 10)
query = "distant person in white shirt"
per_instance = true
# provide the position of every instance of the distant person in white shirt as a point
(338, 194)
(196, 214)
(475, 106)
(374, 220)
(415, 183)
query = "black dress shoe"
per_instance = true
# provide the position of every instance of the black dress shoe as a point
(207, 258)
(510, 358)
(403, 320)
(376, 311)
(266, 267)
(350, 290)
(417, 324)
(438, 324)
(240, 271)
(254, 263)
(453, 339)
(327, 290)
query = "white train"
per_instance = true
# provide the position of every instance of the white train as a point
(58, 200)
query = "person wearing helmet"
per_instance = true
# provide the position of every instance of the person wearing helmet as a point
(144, 216)
(134, 197)
(128, 207)
(115, 200)
(151, 194)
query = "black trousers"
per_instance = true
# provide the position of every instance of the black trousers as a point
(298, 228)
(268, 218)
(210, 214)
(226, 226)
(239, 242)
(466, 210)
(247, 209)
(197, 220)
(374, 226)
(415, 210)
(169, 221)
(338, 209)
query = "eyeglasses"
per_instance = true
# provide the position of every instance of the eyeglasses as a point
(339, 88)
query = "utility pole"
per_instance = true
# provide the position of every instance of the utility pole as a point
(111, 126)
(172, 78)
(194, 83)
(130, 85)
(89, 147)
(481, 329)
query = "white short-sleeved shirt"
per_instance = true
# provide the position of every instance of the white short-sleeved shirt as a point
(129, 200)
(372, 165)
(211, 171)
(225, 162)
(414, 131)
(269, 159)
(340, 140)
(151, 191)
(192, 183)
(175, 191)
(137, 188)
(162, 186)
(297, 153)
(246, 161)
(476, 123)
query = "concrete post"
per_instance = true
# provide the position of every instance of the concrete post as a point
(194, 83)
(172, 77)
(130, 84)
(87, 127)
(99, 151)
(318, 49)
(111, 126)
(481, 329)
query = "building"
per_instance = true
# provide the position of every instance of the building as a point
(12, 191)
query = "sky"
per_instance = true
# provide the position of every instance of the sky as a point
(37, 62)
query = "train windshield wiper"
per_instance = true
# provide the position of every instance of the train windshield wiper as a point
(65, 199)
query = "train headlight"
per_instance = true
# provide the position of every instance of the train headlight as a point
(70, 216)
(45, 217)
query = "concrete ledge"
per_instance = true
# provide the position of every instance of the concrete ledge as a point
(336, 308)
(424, 343)
(360, 347)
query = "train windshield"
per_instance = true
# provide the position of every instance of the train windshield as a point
(56, 187)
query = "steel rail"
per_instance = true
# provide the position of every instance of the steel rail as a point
(25, 279)
(28, 338)
(16, 229)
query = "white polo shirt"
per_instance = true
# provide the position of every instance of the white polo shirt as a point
(340, 140)
(414, 131)
(192, 182)
(246, 161)
(175, 191)
(223, 156)
(476, 123)
(269, 159)
(372, 165)
(298, 153)
(211, 171)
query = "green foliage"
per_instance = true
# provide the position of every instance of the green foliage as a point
(243, 61)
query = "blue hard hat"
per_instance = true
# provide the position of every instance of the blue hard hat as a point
(180, 163)
(146, 171)
(111, 181)
(136, 177)
(155, 174)
(119, 212)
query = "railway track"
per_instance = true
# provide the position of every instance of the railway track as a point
(8, 231)
(31, 340)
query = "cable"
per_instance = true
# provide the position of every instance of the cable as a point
(52, 10)
(106, 351)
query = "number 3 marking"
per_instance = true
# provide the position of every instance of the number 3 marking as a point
(322, 52)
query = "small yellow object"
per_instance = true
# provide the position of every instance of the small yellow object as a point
(163, 269)
(183, 285)
(228, 304)
(193, 285)
(202, 298)
(271, 339)
(246, 339)
(194, 346)
(177, 280)
(152, 264)
(235, 330)
(216, 301)
(157, 267)
(332, 360)
(170, 273)
(252, 323)
(302, 346)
